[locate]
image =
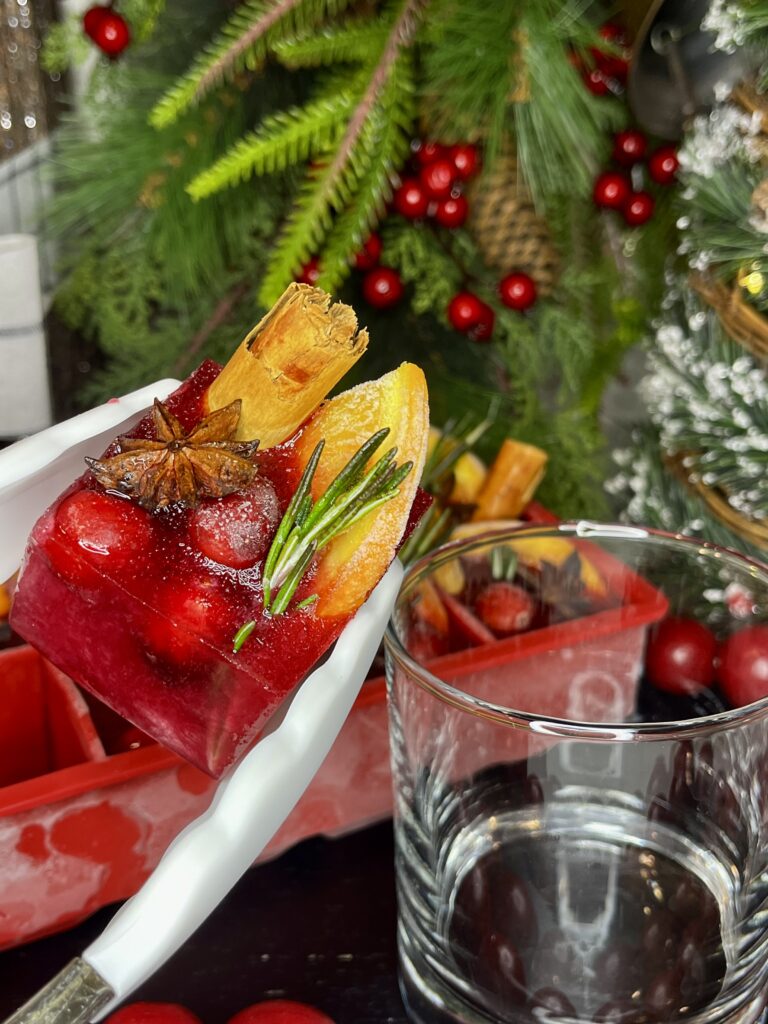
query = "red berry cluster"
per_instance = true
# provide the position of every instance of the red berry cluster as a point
(382, 286)
(614, 190)
(432, 185)
(606, 74)
(469, 314)
(108, 29)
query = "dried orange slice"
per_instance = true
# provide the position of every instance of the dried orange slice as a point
(353, 563)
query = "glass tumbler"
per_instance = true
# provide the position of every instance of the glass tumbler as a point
(580, 756)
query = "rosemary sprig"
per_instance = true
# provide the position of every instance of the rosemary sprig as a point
(308, 526)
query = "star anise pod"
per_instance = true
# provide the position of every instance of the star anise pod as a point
(180, 467)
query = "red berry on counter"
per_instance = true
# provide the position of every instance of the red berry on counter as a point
(428, 152)
(465, 311)
(153, 1013)
(190, 616)
(504, 607)
(638, 208)
(611, 190)
(518, 291)
(280, 1011)
(382, 287)
(629, 147)
(93, 530)
(437, 178)
(680, 655)
(452, 212)
(483, 329)
(465, 159)
(237, 530)
(663, 165)
(411, 199)
(310, 272)
(743, 670)
(370, 254)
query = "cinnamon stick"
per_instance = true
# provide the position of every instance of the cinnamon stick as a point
(511, 481)
(288, 363)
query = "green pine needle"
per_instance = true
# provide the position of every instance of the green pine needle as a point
(242, 44)
(354, 41)
(289, 137)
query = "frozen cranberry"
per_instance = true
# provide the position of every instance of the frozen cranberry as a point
(280, 1011)
(153, 1013)
(191, 616)
(237, 530)
(680, 656)
(94, 530)
(504, 607)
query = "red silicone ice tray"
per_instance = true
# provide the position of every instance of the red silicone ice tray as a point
(84, 819)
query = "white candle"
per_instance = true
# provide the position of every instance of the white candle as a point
(25, 403)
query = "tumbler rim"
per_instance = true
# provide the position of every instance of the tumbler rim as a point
(562, 728)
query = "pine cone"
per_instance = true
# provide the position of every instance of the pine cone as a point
(507, 229)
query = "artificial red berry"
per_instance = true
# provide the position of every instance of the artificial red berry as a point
(629, 147)
(680, 655)
(612, 65)
(518, 290)
(437, 178)
(596, 82)
(92, 20)
(663, 165)
(410, 199)
(280, 1011)
(382, 287)
(237, 530)
(483, 329)
(153, 1013)
(427, 152)
(743, 669)
(504, 607)
(95, 532)
(111, 33)
(611, 190)
(310, 272)
(452, 212)
(192, 616)
(465, 311)
(465, 159)
(638, 208)
(370, 254)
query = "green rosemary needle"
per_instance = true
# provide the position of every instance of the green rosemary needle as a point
(308, 526)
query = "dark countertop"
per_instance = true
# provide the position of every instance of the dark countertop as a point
(316, 925)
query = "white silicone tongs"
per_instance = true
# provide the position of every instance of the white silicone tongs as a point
(252, 800)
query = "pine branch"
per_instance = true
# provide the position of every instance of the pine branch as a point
(394, 129)
(333, 188)
(310, 220)
(354, 41)
(288, 137)
(243, 43)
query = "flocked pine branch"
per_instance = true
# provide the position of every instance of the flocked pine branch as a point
(332, 189)
(288, 137)
(354, 41)
(242, 43)
(394, 131)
